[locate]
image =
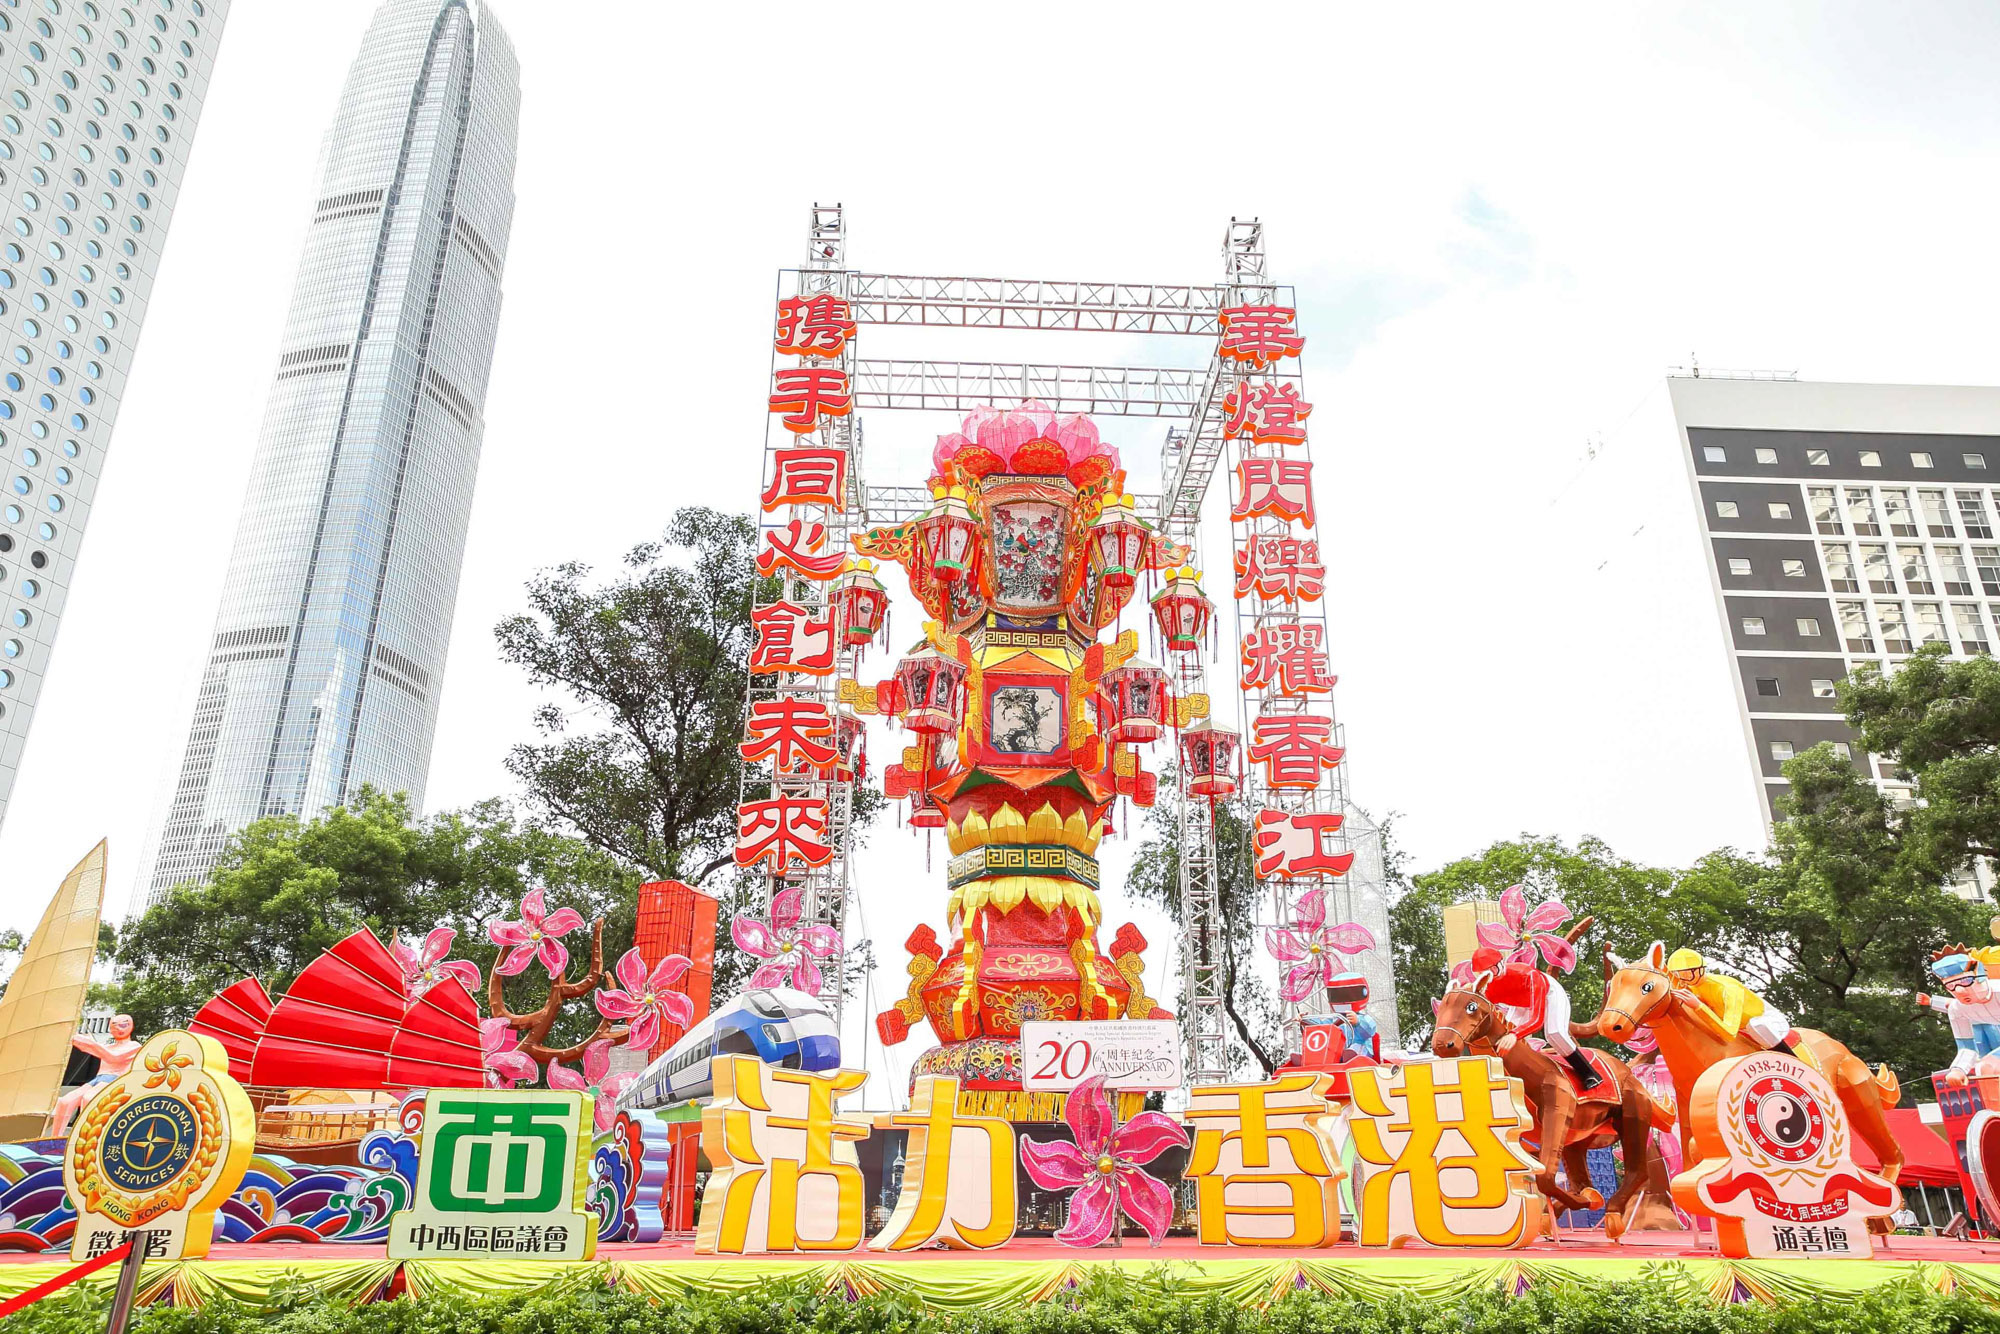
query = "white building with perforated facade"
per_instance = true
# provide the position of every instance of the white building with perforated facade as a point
(98, 104)
(328, 653)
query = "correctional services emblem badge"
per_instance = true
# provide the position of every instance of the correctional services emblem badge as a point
(500, 1176)
(158, 1150)
(1779, 1175)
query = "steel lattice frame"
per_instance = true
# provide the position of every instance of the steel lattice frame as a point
(1190, 454)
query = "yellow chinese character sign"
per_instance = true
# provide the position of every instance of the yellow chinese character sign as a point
(1266, 1163)
(785, 1175)
(1438, 1155)
(958, 1175)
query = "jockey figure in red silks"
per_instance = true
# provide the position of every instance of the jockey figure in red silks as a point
(1533, 1001)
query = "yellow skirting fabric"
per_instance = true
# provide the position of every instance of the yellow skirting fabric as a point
(990, 1283)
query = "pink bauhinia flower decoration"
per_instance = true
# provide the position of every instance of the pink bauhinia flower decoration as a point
(1522, 930)
(534, 936)
(1105, 1152)
(792, 949)
(1310, 946)
(646, 1000)
(596, 1080)
(425, 966)
(506, 1063)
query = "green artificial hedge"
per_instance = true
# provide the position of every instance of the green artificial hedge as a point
(1108, 1304)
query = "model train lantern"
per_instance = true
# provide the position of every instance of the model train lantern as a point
(1183, 611)
(1028, 709)
(1208, 759)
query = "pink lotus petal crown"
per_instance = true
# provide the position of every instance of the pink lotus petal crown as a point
(1030, 439)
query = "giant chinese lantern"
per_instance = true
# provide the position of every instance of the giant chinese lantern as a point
(1132, 703)
(930, 689)
(1042, 708)
(860, 603)
(1208, 759)
(1183, 611)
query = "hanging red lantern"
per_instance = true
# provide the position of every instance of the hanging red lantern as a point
(930, 690)
(850, 747)
(929, 813)
(1208, 759)
(1132, 702)
(950, 538)
(1183, 610)
(1118, 539)
(860, 604)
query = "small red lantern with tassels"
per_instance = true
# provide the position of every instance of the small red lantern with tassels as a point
(1183, 610)
(1132, 702)
(1118, 540)
(930, 689)
(860, 603)
(1208, 759)
(950, 538)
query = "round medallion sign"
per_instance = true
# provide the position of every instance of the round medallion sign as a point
(1784, 1118)
(148, 1142)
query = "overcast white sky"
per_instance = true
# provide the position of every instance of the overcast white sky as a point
(1504, 225)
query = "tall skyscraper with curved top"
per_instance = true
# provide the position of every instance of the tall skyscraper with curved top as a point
(329, 649)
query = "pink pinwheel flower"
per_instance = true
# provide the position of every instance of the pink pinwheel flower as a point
(425, 966)
(645, 1001)
(1523, 931)
(1100, 1156)
(534, 936)
(506, 1063)
(791, 948)
(1311, 946)
(596, 1080)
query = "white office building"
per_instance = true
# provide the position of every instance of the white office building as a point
(100, 104)
(328, 653)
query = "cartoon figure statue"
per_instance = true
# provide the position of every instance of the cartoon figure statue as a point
(114, 1058)
(1970, 1004)
(1532, 1001)
(1734, 1007)
(1349, 994)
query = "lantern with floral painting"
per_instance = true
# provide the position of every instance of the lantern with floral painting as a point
(860, 604)
(1208, 759)
(1118, 540)
(1183, 610)
(1132, 702)
(950, 539)
(930, 687)
(850, 747)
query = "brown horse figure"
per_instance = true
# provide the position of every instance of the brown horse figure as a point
(1642, 995)
(1566, 1127)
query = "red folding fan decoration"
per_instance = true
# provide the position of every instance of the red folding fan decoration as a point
(236, 1019)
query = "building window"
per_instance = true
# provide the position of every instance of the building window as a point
(1919, 459)
(1822, 689)
(1753, 625)
(1808, 627)
(1739, 568)
(1957, 579)
(1916, 570)
(1841, 749)
(1767, 456)
(1840, 567)
(1871, 458)
(1972, 513)
(1861, 512)
(1781, 751)
(1767, 686)
(1715, 454)
(1781, 511)
(1974, 461)
(1825, 509)
(1930, 624)
(1725, 509)
(1816, 458)
(1854, 627)
(1987, 561)
(1875, 561)
(1971, 627)
(1794, 569)
(1896, 508)
(1895, 627)
(1937, 514)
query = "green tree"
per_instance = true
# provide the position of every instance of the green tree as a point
(655, 658)
(1155, 878)
(286, 889)
(1634, 905)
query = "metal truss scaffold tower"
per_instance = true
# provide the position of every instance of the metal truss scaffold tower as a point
(1189, 401)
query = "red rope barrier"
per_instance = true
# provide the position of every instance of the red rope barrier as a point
(63, 1280)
